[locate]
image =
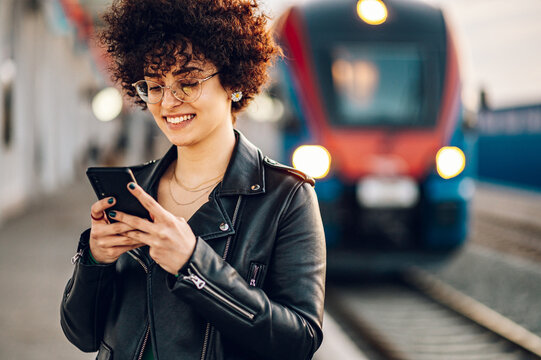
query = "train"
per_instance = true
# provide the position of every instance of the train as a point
(374, 113)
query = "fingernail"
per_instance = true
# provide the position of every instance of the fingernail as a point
(111, 200)
(112, 213)
(131, 186)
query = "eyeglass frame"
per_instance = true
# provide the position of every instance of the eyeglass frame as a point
(163, 87)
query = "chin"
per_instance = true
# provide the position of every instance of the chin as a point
(180, 140)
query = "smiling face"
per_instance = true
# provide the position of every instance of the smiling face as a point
(204, 120)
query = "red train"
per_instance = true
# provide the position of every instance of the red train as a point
(373, 89)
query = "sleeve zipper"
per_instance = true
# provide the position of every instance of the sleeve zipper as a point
(77, 256)
(201, 284)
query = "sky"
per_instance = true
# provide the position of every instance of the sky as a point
(499, 45)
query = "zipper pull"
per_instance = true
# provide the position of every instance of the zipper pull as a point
(77, 256)
(198, 282)
(253, 275)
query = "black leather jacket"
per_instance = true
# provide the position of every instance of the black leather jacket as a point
(253, 288)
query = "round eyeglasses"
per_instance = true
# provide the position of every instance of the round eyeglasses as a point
(185, 90)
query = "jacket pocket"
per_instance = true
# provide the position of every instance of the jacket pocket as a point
(255, 275)
(104, 352)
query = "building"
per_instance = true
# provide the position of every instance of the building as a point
(48, 132)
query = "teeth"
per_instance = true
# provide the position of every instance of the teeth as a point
(179, 119)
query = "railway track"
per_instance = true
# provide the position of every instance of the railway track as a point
(420, 318)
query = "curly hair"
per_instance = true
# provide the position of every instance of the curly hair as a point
(161, 34)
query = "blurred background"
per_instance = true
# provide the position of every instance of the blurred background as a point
(421, 121)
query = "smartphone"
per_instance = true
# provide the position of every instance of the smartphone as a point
(113, 181)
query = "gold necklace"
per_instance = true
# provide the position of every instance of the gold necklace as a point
(190, 202)
(198, 187)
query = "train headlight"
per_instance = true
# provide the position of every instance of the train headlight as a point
(372, 12)
(313, 160)
(450, 161)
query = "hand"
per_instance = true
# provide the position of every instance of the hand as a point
(107, 241)
(170, 238)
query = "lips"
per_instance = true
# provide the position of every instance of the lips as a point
(177, 119)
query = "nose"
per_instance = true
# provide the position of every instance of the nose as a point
(169, 100)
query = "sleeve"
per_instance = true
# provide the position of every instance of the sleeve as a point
(86, 299)
(284, 322)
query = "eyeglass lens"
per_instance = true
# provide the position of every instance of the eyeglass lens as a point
(187, 90)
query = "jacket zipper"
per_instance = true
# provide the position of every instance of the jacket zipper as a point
(224, 256)
(145, 340)
(202, 285)
(205, 341)
(147, 332)
(253, 277)
(140, 262)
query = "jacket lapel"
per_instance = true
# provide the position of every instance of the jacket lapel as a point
(245, 175)
(212, 220)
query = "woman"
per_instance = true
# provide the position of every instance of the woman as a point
(233, 264)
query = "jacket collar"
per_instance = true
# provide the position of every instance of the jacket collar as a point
(245, 174)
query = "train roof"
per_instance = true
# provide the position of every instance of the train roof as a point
(334, 19)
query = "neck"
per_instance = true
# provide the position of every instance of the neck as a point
(207, 159)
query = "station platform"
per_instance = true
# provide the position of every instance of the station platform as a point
(35, 252)
(509, 204)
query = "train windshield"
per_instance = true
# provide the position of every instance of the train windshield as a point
(376, 85)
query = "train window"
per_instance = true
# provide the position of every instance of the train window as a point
(376, 85)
